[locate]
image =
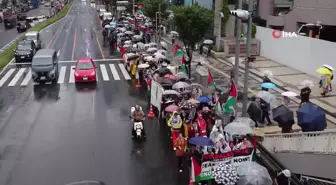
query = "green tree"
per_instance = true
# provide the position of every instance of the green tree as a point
(152, 6)
(225, 10)
(192, 23)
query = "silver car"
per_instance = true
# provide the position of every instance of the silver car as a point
(34, 36)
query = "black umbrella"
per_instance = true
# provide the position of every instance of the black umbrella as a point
(163, 71)
(254, 111)
(167, 81)
(164, 60)
(283, 115)
(132, 57)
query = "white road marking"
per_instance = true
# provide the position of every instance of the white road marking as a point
(27, 78)
(5, 78)
(124, 72)
(17, 77)
(72, 75)
(104, 72)
(61, 75)
(114, 72)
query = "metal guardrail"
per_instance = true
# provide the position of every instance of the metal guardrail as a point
(323, 142)
(316, 181)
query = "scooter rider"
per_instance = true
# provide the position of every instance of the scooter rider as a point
(138, 116)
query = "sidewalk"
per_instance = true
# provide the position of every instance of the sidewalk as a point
(285, 78)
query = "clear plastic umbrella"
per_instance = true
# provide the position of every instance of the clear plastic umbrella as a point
(244, 120)
(252, 173)
(158, 57)
(180, 85)
(120, 34)
(208, 42)
(143, 66)
(163, 44)
(153, 45)
(126, 46)
(181, 75)
(128, 42)
(137, 37)
(152, 50)
(169, 92)
(174, 33)
(162, 51)
(107, 26)
(147, 46)
(129, 33)
(266, 96)
(238, 128)
(149, 58)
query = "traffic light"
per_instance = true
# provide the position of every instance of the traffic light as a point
(241, 14)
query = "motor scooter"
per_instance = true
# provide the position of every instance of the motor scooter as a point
(137, 126)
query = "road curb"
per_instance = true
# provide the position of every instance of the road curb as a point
(10, 62)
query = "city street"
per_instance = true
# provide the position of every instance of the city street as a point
(8, 35)
(59, 133)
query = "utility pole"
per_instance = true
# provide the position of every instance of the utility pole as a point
(238, 38)
(249, 59)
(218, 23)
(134, 8)
(159, 21)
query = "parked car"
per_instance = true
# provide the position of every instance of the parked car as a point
(25, 51)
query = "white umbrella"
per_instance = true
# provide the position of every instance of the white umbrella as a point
(168, 92)
(289, 94)
(126, 46)
(147, 46)
(122, 29)
(174, 33)
(157, 53)
(232, 60)
(129, 33)
(244, 120)
(107, 26)
(141, 45)
(163, 44)
(208, 42)
(162, 51)
(128, 42)
(143, 66)
(307, 83)
(152, 44)
(137, 37)
(328, 67)
(135, 46)
(158, 57)
(152, 50)
(149, 58)
(268, 73)
(120, 34)
(238, 129)
(266, 96)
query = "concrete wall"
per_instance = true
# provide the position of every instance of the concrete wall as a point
(302, 53)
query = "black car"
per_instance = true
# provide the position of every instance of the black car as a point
(21, 27)
(10, 22)
(25, 50)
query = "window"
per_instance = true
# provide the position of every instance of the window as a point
(84, 65)
(47, 61)
(24, 47)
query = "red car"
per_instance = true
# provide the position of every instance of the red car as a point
(85, 70)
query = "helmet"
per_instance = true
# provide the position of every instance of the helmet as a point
(137, 107)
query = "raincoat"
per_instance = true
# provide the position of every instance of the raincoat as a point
(181, 145)
(175, 123)
(202, 125)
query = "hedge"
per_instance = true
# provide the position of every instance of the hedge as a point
(8, 55)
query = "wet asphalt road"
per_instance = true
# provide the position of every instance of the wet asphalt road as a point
(8, 35)
(59, 133)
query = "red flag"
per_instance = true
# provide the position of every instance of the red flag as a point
(210, 80)
(176, 48)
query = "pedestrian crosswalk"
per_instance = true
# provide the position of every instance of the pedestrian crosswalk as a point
(22, 76)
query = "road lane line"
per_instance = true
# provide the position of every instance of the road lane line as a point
(104, 72)
(5, 78)
(72, 75)
(99, 45)
(53, 38)
(114, 72)
(17, 77)
(61, 75)
(124, 72)
(74, 45)
(27, 78)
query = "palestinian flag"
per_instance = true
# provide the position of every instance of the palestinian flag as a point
(232, 100)
(218, 106)
(183, 65)
(195, 170)
(210, 80)
(120, 52)
(177, 51)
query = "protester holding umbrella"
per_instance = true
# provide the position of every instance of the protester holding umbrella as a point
(265, 107)
(266, 79)
(325, 80)
(305, 91)
(331, 69)
(181, 145)
(175, 123)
